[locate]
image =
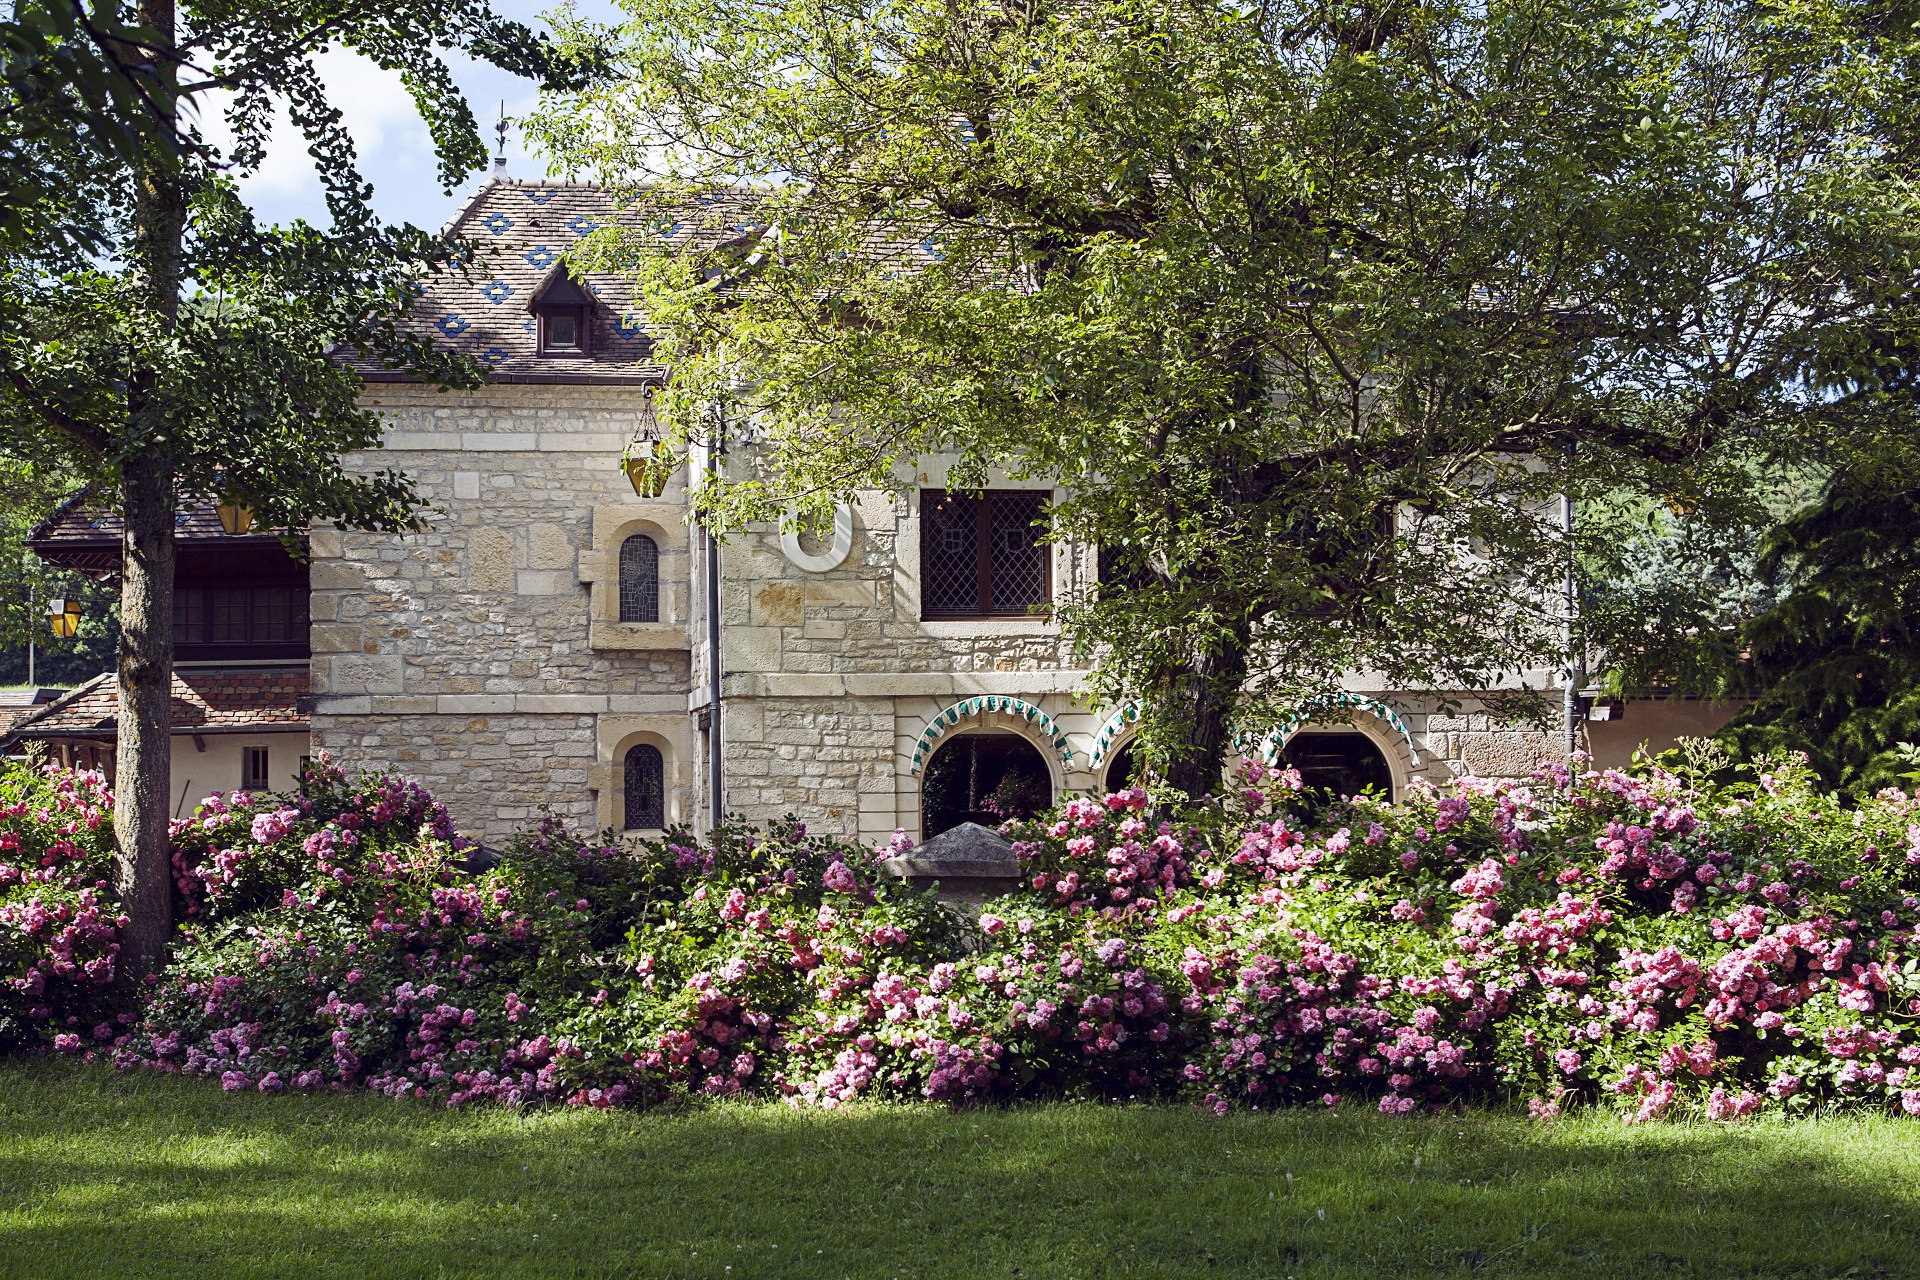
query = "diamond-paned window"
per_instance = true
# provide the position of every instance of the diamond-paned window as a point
(982, 557)
(646, 789)
(639, 579)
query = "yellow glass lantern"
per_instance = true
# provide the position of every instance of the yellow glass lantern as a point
(234, 518)
(64, 617)
(648, 462)
(649, 465)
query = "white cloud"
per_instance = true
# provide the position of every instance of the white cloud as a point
(395, 152)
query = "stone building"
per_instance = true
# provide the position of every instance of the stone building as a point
(545, 642)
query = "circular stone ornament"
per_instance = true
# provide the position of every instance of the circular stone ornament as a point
(837, 550)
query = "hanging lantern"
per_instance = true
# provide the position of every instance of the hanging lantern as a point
(647, 460)
(235, 518)
(64, 617)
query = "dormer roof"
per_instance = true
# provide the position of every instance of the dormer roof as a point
(522, 232)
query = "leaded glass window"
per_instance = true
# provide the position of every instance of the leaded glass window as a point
(639, 579)
(983, 556)
(646, 790)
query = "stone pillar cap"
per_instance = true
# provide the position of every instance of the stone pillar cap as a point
(968, 851)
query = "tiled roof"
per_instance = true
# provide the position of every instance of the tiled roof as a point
(522, 231)
(204, 701)
(17, 704)
(85, 519)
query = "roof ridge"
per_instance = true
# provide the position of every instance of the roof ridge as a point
(67, 504)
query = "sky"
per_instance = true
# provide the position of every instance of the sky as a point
(395, 154)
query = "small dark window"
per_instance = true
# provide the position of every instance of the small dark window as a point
(982, 557)
(646, 790)
(239, 615)
(639, 579)
(563, 332)
(253, 769)
(564, 311)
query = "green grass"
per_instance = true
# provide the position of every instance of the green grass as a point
(111, 1175)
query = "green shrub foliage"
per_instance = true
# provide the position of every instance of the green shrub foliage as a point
(1636, 942)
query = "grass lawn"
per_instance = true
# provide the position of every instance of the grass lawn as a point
(109, 1175)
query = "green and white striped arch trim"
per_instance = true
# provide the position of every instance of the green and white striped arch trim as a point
(1271, 744)
(1116, 725)
(968, 708)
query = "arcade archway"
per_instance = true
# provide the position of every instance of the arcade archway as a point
(984, 778)
(1338, 764)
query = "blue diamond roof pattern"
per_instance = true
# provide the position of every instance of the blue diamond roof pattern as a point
(519, 232)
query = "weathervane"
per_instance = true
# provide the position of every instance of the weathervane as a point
(500, 132)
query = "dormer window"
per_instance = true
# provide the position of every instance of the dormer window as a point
(563, 311)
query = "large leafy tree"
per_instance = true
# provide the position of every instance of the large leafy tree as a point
(1316, 307)
(1836, 661)
(152, 335)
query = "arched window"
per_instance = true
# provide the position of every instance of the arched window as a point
(1121, 772)
(1339, 764)
(646, 789)
(984, 778)
(639, 579)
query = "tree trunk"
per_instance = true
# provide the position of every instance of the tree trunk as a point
(1196, 705)
(143, 775)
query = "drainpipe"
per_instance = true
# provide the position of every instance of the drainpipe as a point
(1576, 663)
(716, 799)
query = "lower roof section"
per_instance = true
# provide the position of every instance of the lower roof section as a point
(205, 700)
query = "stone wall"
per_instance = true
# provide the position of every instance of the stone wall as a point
(460, 655)
(485, 657)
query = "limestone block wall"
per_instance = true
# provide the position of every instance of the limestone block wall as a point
(485, 656)
(462, 655)
(830, 674)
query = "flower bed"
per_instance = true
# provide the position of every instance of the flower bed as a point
(1614, 940)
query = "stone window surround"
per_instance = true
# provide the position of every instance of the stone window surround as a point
(1071, 567)
(599, 569)
(672, 735)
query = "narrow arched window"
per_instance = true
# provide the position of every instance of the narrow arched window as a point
(639, 579)
(646, 788)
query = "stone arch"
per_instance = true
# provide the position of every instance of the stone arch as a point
(672, 780)
(1395, 747)
(979, 767)
(991, 710)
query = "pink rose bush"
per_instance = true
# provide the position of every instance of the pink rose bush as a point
(59, 926)
(1627, 941)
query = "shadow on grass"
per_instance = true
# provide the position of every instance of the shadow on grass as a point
(108, 1175)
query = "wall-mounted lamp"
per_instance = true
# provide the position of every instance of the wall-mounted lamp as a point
(234, 518)
(64, 617)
